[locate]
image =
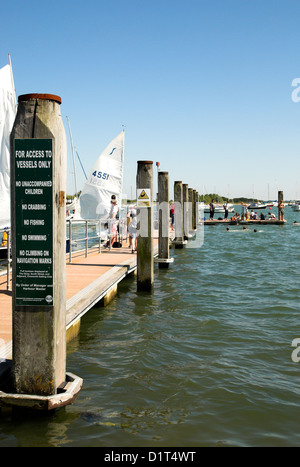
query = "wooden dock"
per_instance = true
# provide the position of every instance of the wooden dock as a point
(227, 222)
(89, 280)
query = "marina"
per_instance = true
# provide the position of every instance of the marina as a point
(149, 282)
(204, 360)
(89, 280)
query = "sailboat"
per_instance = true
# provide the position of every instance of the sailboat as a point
(296, 206)
(8, 110)
(104, 180)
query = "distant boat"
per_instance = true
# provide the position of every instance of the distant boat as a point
(296, 206)
(257, 206)
(104, 180)
(271, 204)
(73, 210)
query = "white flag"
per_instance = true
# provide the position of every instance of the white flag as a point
(7, 118)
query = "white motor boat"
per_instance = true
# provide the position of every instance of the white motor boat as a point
(254, 206)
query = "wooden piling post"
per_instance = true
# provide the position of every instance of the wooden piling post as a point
(178, 203)
(145, 261)
(38, 187)
(280, 200)
(163, 259)
(194, 210)
(190, 194)
(186, 207)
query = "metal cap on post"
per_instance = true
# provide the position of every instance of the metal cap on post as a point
(38, 159)
(145, 260)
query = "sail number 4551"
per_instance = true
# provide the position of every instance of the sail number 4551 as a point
(102, 175)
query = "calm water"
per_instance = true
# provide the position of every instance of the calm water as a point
(205, 360)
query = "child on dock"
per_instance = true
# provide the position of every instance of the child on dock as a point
(132, 226)
(112, 222)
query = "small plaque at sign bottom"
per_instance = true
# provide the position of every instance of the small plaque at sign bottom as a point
(33, 222)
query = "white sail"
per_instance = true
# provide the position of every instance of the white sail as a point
(104, 180)
(7, 117)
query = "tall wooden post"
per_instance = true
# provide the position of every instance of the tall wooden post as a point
(145, 261)
(178, 203)
(191, 197)
(38, 186)
(194, 210)
(186, 208)
(280, 200)
(163, 259)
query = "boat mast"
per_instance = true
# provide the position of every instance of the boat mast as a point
(75, 180)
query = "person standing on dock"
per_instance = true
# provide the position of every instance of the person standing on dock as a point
(132, 226)
(211, 209)
(281, 210)
(172, 215)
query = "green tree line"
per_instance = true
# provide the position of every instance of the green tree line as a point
(221, 199)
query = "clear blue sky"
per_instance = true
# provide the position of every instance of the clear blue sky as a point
(202, 86)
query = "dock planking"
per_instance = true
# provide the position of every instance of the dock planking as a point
(89, 280)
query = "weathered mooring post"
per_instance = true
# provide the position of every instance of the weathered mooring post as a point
(194, 210)
(191, 197)
(185, 200)
(38, 186)
(163, 259)
(280, 204)
(145, 261)
(179, 241)
(197, 208)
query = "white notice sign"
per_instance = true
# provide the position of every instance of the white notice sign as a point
(143, 196)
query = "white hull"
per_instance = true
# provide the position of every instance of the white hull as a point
(257, 206)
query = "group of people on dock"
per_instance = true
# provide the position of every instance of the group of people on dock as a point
(113, 222)
(245, 215)
(212, 209)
